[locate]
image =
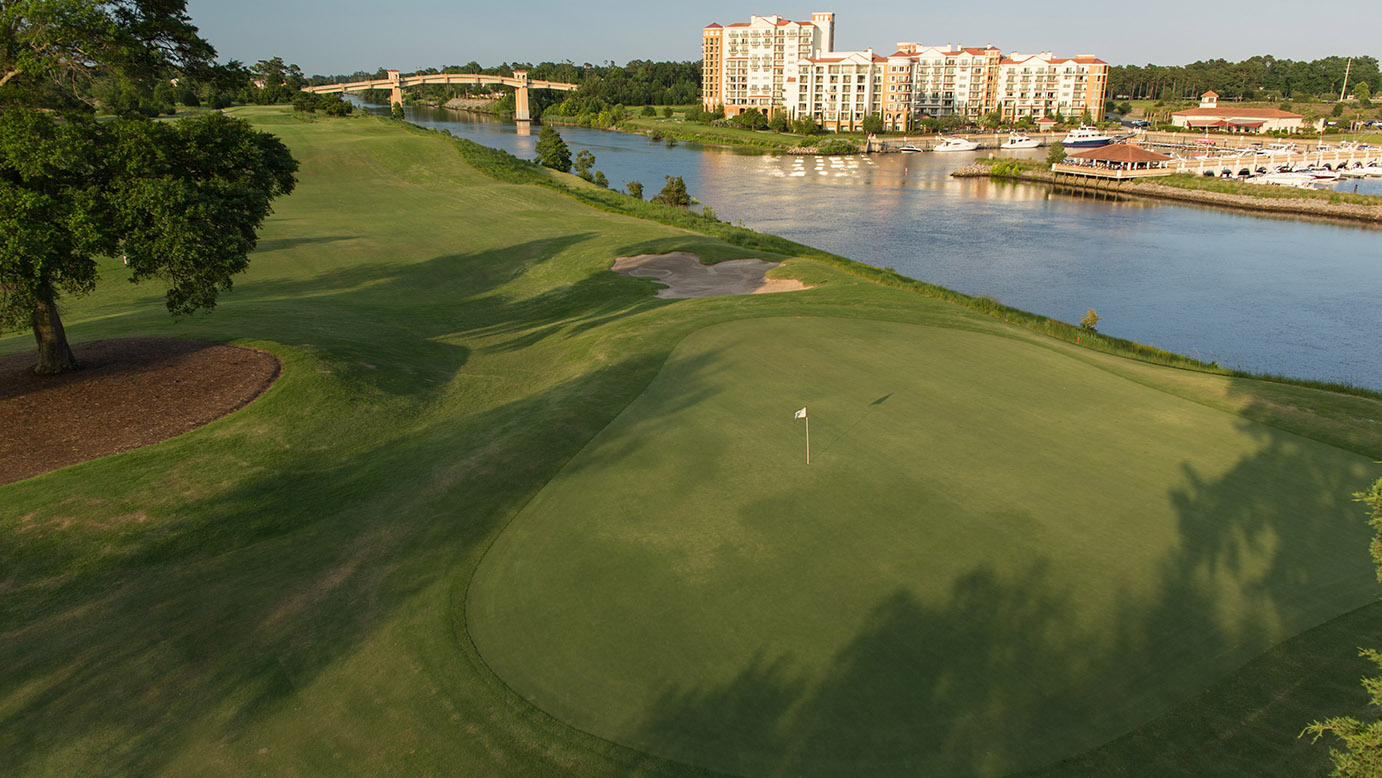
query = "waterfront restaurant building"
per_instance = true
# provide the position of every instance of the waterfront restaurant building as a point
(1211, 116)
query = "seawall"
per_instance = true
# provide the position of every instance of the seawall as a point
(1285, 206)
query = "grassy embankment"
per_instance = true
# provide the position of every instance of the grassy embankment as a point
(286, 590)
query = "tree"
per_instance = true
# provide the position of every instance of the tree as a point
(182, 202)
(635, 189)
(673, 193)
(1090, 319)
(552, 151)
(584, 160)
(1056, 154)
(1363, 93)
(396, 111)
(1362, 741)
(599, 179)
(780, 122)
(873, 124)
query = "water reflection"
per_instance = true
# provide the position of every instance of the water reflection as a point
(1264, 294)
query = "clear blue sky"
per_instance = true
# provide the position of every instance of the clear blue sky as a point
(342, 36)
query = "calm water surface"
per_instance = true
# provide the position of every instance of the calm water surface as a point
(1265, 294)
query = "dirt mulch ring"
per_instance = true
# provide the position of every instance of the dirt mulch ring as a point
(129, 393)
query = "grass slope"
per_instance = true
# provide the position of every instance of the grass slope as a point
(997, 558)
(283, 591)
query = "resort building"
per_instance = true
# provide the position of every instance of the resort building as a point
(839, 90)
(1233, 119)
(774, 65)
(744, 64)
(1037, 85)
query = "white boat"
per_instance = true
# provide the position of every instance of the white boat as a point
(1297, 180)
(1373, 171)
(909, 149)
(1086, 137)
(956, 144)
(1353, 172)
(1017, 140)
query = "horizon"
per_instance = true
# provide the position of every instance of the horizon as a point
(417, 34)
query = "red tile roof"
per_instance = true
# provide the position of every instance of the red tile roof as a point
(1230, 112)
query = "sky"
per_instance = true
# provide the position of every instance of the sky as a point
(344, 36)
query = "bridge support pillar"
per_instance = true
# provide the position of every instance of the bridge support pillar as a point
(396, 91)
(520, 98)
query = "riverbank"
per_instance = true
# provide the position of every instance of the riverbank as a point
(1257, 198)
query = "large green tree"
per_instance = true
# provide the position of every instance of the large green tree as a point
(552, 151)
(181, 202)
(1361, 755)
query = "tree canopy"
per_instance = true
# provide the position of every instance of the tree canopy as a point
(1361, 755)
(181, 202)
(1253, 78)
(552, 151)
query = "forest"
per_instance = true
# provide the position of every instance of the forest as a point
(1257, 78)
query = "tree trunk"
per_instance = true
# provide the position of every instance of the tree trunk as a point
(54, 355)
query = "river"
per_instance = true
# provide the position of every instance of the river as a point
(1266, 294)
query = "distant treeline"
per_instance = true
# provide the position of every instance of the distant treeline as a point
(1257, 78)
(640, 82)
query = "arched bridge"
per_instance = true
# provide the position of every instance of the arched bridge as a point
(396, 84)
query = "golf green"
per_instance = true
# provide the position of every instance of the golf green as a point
(997, 557)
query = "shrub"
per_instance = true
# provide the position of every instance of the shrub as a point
(836, 146)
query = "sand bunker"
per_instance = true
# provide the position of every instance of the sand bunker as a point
(685, 276)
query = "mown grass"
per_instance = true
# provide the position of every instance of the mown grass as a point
(284, 591)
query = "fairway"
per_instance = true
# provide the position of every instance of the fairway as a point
(998, 556)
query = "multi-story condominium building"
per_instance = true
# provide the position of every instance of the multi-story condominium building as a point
(935, 81)
(743, 65)
(1036, 85)
(756, 65)
(838, 89)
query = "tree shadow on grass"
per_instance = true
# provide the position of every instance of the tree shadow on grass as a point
(220, 619)
(1007, 674)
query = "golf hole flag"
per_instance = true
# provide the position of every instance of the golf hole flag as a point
(801, 414)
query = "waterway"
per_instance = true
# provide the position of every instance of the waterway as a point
(1292, 297)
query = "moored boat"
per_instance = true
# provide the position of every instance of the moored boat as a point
(1018, 140)
(1086, 137)
(909, 149)
(956, 144)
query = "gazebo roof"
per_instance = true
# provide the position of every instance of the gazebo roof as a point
(1120, 152)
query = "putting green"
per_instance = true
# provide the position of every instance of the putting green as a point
(999, 555)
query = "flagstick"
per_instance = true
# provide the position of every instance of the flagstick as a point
(808, 440)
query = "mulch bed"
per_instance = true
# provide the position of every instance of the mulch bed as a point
(129, 393)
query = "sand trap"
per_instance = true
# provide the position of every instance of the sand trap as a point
(685, 276)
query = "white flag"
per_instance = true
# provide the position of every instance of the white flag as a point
(801, 414)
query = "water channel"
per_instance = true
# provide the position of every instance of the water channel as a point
(1293, 297)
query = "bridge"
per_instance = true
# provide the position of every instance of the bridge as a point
(396, 83)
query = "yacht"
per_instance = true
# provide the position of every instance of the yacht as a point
(1086, 137)
(909, 149)
(1017, 140)
(956, 144)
